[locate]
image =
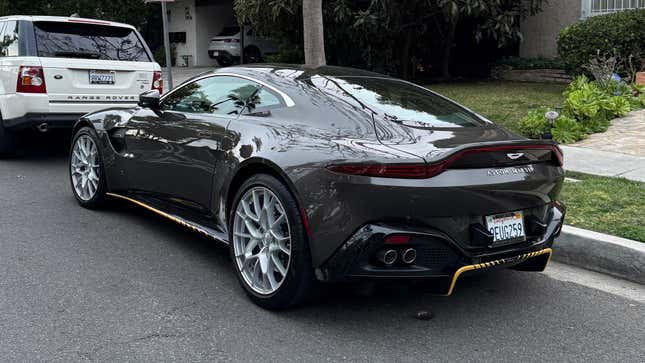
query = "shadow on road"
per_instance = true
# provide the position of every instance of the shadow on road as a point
(51, 146)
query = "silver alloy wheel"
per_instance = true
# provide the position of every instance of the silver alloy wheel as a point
(85, 168)
(261, 240)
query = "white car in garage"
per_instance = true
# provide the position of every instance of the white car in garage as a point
(225, 47)
(55, 69)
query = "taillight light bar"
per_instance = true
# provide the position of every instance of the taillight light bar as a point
(233, 40)
(157, 81)
(424, 171)
(31, 79)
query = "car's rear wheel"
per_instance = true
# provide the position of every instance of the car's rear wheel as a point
(225, 61)
(86, 170)
(7, 142)
(269, 244)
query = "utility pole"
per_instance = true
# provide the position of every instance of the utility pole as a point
(166, 42)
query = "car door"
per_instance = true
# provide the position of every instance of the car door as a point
(173, 152)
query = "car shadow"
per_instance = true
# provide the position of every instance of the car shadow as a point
(50, 146)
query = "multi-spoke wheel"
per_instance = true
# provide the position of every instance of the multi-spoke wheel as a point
(261, 240)
(86, 169)
(268, 243)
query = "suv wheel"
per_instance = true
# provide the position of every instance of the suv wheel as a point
(7, 142)
(269, 245)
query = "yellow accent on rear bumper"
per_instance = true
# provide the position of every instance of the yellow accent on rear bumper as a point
(501, 261)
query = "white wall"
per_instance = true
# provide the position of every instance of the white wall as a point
(210, 21)
(182, 19)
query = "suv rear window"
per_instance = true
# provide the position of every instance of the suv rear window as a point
(91, 41)
(229, 31)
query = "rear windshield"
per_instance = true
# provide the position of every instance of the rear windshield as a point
(91, 41)
(401, 101)
(229, 31)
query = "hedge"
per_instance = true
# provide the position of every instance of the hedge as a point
(621, 34)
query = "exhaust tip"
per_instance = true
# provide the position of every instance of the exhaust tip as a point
(43, 127)
(388, 257)
(409, 256)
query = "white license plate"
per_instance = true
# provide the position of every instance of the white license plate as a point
(102, 77)
(506, 227)
(215, 54)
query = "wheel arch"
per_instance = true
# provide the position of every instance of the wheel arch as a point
(80, 124)
(255, 166)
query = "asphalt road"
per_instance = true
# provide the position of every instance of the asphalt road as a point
(122, 284)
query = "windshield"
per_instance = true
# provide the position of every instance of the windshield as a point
(402, 101)
(92, 41)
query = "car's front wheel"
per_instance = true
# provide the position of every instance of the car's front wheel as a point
(86, 169)
(269, 244)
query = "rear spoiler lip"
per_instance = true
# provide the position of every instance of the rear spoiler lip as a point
(457, 152)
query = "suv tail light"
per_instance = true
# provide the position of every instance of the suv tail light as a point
(31, 80)
(157, 81)
(233, 40)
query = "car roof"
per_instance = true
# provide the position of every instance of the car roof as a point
(65, 19)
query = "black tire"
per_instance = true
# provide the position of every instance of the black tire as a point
(8, 145)
(252, 54)
(225, 61)
(299, 279)
(99, 198)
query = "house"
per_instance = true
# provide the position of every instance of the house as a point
(540, 31)
(192, 24)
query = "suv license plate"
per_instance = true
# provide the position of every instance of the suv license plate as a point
(506, 227)
(102, 77)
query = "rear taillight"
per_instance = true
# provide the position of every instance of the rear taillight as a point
(424, 171)
(411, 171)
(31, 80)
(233, 40)
(157, 81)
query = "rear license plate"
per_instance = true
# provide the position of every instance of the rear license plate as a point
(215, 54)
(506, 227)
(102, 77)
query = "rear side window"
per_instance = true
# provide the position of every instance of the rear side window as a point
(90, 41)
(398, 100)
(10, 46)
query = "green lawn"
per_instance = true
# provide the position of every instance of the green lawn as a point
(501, 101)
(610, 205)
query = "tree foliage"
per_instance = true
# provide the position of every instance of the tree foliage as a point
(386, 33)
(126, 11)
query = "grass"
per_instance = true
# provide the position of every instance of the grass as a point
(504, 102)
(609, 205)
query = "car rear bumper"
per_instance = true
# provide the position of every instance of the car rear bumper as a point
(32, 120)
(439, 259)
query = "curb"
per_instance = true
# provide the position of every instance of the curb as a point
(601, 252)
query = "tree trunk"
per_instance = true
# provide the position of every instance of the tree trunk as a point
(314, 35)
(448, 44)
(404, 66)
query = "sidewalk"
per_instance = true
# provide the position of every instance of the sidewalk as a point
(618, 152)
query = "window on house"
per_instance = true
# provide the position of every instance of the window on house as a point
(599, 7)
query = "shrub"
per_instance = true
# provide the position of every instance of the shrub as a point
(160, 55)
(621, 34)
(567, 130)
(535, 123)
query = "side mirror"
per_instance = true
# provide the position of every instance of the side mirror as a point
(150, 99)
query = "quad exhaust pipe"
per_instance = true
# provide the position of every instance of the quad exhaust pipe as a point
(44, 127)
(409, 256)
(388, 257)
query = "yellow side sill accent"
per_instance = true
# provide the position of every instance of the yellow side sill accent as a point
(161, 213)
(501, 261)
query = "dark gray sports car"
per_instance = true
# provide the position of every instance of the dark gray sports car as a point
(327, 174)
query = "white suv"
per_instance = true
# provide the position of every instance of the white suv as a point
(54, 70)
(225, 47)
